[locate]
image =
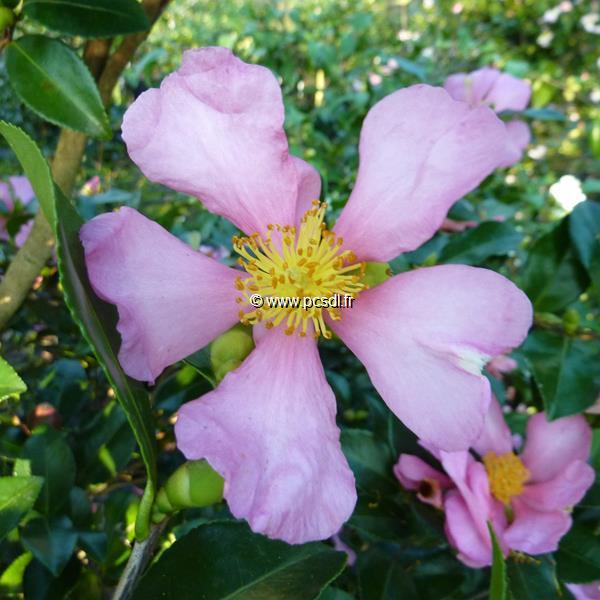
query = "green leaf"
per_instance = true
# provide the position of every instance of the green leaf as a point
(227, 561)
(532, 578)
(474, 246)
(565, 370)
(12, 578)
(34, 165)
(51, 458)
(578, 556)
(88, 18)
(498, 582)
(544, 114)
(381, 577)
(17, 496)
(10, 382)
(54, 82)
(584, 227)
(51, 542)
(553, 277)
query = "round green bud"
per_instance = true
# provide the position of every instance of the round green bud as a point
(571, 321)
(230, 349)
(7, 18)
(376, 273)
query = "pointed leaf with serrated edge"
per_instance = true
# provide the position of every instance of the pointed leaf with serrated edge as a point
(227, 560)
(97, 321)
(55, 83)
(498, 582)
(34, 165)
(10, 382)
(88, 18)
(566, 371)
(17, 497)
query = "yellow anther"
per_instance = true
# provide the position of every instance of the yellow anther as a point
(507, 474)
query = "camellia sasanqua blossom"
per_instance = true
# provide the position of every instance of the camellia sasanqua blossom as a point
(525, 496)
(501, 92)
(214, 129)
(17, 188)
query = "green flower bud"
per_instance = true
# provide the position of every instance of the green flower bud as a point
(571, 321)
(229, 350)
(7, 18)
(376, 273)
(193, 485)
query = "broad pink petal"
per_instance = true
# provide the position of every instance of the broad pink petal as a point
(533, 531)
(22, 189)
(585, 591)
(563, 491)
(214, 129)
(509, 93)
(474, 87)
(420, 151)
(415, 474)
(309, 186)
(496, 436)
(269, 429)
(171, 299)
(424, 337)
(551, 446)
(519, 136)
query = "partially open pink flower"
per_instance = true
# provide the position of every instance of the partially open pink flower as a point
(526, 497)
(214, 129)
(501, 92)
(17, 188)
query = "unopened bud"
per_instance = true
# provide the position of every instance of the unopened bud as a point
(376, 273)
(7, 18)
(570, 321)
(229, 350)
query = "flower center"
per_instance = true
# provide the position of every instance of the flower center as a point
(297, 274)
(507, 474)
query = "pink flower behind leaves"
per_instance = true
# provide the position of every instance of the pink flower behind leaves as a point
(214, 129)
(500, 91)
(17, 188)
(526, 497)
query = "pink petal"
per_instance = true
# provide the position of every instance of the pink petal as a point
(309, 186)
(171, 299)
(474, 87)
(551, 446)
(22, 189)
(496, 436)
(420, 151)
(23, 233)
(519, 136)
(563, 491)
(424, 336)
(535, 532)
(5, 196)
(585, 591)
(509, 93)
(415, 474)
(500, 365)
(214, 129)
(269, 429)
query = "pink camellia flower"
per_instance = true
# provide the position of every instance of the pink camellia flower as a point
(19, 188)
(526, 497)
(214, 129)
(501, 92)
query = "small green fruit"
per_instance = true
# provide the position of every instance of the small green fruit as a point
(7, 18)
(376, 273)
(229, 350)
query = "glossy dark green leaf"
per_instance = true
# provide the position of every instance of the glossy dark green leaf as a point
(532, 578)
(34, 165)
(584, 226)
(88, 18)
(578, 556)
(97, 321)
(51, 457)
(544, 114)
(17, 497)
(381, 577)
(565, 370)
(553, 277)
(226, 560)
(10, 382)
(54, 82)
(474, 246)
(51, 542)
(498, 582)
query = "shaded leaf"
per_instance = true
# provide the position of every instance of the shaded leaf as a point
(226, 560)
(532, 578)
(54, 82)
(88, 18)
(578, 556)
(584, 227)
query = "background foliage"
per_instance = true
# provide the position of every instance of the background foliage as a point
(68, 518)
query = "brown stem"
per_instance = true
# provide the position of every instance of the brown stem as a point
(32, 256)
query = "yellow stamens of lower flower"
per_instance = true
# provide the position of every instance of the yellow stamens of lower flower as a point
(506, 474)
(290, 263)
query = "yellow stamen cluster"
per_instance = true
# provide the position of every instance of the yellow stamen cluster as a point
(507, 474)
(295, 262)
